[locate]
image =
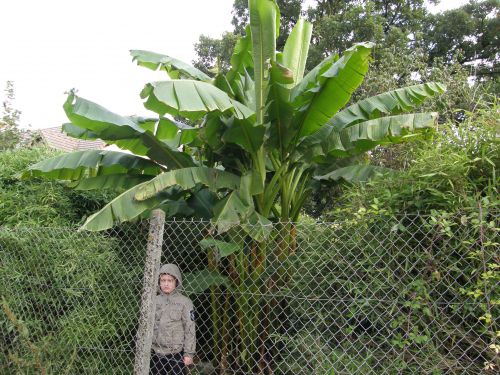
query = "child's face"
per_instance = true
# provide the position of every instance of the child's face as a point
(167, 283)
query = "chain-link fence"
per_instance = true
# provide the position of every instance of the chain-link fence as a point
(364, 295)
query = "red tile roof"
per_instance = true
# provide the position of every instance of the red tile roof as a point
(55, 138)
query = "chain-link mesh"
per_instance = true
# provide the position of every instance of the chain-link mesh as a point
(365, 295)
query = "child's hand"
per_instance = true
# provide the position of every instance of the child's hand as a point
(188, 360)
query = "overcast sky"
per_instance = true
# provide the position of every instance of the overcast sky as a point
(51, 46)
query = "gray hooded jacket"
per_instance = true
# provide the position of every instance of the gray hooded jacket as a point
(174, 326)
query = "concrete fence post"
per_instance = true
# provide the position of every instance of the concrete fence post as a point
(147, 310)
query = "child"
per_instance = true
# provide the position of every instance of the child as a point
(174, 338)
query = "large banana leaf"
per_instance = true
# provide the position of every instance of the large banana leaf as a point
(91, 163)
(280, 111)
(296, 49)
(188, 178)
(257, 226)
(238, 76)
(117, 182)
(241, 59)
(224, 248)
(175, 133)
(202, 202)
(200, 281)
(354, 173)
(91, 120)
(231, 211)
(245, 134)
(391, 102)
(264, 26)
(190, 99)
(331, 90)
(123, 208)
(134, 145)
(175, 68)
(91, 116)
(304, 91)
(250, 185)
(364, 136)
(244, 87)
(178, 208)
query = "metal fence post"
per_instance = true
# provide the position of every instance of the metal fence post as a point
(146, 317)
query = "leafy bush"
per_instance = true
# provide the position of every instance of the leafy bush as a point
(40, 202)
(424, 238)
(452, 171)
(393, 294)
(67, 297)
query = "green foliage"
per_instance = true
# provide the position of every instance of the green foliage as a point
(65, 291)
(450, 172)
(214, 55)
(441, 213)
(60, 289)
(40, 203)
(420, 291)
(472, 30)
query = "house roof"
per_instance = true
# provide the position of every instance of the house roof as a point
(55, 138)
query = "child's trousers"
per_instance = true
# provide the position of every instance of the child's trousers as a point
(169, 364)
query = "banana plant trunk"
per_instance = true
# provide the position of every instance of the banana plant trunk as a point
(257, 273)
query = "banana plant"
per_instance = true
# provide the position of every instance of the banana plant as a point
(260, 137)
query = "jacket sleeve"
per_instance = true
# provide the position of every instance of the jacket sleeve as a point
(188, 320)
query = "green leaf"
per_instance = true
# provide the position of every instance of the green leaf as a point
(230, 211)
(281, 74)
(279, 109)
(173, 208)
(364, 136)
(117, 182)
(331, 90)
(190, 99)
(123, 208)
(224, 248)
(176, 133)
(175, 68)
(257, 226)
(202, 202)
(354, 173)
(92, 163)
(245, 134)
(244, 87)
(391, 102)
(250, 185)
(221, 82)
(188, 178)
(106, 124)
(126, 132)
(241, 59)
(296, 49)
(198, 282)
(264, 27)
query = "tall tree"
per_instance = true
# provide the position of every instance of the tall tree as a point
(9, 123)
(469, 34)
(391, 24)
(213, 54)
